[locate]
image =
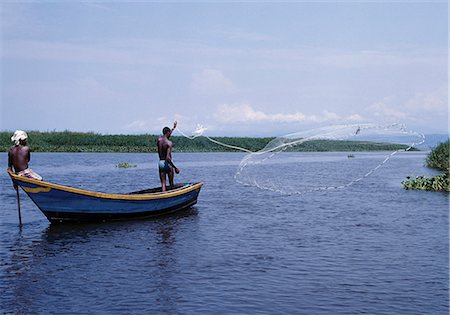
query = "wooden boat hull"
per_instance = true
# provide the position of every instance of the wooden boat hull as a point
(66, 204)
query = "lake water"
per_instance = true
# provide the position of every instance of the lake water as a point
(372, 248)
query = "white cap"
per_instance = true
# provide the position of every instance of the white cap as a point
(19, 135)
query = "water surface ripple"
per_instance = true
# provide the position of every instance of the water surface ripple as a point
(373, 248)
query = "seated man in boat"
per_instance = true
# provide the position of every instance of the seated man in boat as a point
(166, 166)
(19, 156)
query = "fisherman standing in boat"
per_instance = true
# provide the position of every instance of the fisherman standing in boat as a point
(166, 166)
(19, 156)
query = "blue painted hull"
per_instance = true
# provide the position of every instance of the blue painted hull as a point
(65, 204)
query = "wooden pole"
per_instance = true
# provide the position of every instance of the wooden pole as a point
(18, 206)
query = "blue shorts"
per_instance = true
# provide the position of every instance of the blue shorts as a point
(164, 166)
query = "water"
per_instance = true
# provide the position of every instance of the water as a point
(372, 248)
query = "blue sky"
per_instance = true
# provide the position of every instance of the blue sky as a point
(249, 68)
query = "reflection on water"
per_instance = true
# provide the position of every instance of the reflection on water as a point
(40, 269)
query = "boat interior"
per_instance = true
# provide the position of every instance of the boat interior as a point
(157, 189)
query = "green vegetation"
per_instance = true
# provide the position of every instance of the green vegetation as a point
(345, 146)
(125, 165)
(435, 183)
(83, 142)
(91, 142)
(68, 141)
(438, 159)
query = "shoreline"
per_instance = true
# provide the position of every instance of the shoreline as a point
(91, 142)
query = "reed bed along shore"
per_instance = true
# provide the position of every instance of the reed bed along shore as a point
(68, 141)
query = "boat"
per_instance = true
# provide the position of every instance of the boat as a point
(66, 204)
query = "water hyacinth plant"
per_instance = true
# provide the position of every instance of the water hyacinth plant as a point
(438, 159)
(125, 165)
(435, 183)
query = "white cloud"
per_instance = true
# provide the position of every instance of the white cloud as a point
(429, 102)
(138, 126)
(211, 81)
(355, 118)
(382, 110)
(324, 117)
(245, 113)
(156, 125)
(421, 109)
(146, 126)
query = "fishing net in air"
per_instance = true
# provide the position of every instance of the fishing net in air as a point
(332, 157)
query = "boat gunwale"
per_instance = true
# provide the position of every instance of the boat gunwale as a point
(148, 196)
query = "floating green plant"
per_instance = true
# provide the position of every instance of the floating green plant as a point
(438, 159)
(435, 183)
(125, 165)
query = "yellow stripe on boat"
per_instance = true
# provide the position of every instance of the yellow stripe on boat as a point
(158, 195)
(37, 189)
